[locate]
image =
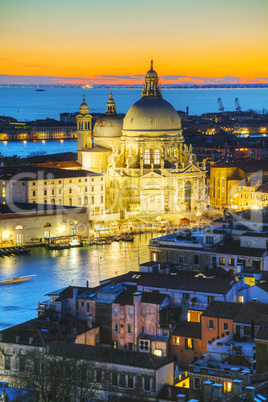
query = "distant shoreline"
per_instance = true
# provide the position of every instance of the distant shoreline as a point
(170, 86)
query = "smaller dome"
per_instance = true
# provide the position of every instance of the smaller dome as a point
(84, 109)
(108, 126)
(151, 73)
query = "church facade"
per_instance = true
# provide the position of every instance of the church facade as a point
(147, 166)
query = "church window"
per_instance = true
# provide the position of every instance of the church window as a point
(157, 157)
(147, 158)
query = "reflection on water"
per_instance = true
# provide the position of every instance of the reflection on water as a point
(58, 269)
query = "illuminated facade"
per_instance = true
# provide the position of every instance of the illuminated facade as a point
(148, 167)
(239, 185)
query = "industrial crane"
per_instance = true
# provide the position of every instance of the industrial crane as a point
(238, 107)
(221, 108)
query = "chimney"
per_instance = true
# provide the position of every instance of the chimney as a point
(89, 321)
(216, 392)
(250, 394)
(237, 388)
(246, 377)
(181, 398)
(207, 390)
(234, 373)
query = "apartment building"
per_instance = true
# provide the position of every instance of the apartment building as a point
(32, 184)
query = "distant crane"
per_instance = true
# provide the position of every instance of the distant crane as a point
(238, 107)
(221, 108)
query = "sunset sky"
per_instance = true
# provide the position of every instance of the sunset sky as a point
(113, 41)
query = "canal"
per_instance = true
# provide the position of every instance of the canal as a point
(54, 270)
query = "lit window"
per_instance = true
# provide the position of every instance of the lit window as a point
(231, 262)
(177, 340)
(157, 157)
(158, 352)
(241, 299)
(189, 344)
(227, 386)
(147, 159)
(222, 261)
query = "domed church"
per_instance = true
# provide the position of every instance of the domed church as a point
(147, 166)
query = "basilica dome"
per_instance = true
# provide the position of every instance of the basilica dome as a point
(110, 124)
(152, 114)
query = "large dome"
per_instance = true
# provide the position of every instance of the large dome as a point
(151, 114)
(108, 126)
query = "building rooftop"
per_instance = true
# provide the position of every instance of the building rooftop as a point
(188, 329)
(25, 173)
(253, 311)
(184, 282)
(220, 309)
(38, 332)
(114, 356)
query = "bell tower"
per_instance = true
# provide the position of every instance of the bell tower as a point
(84, 130)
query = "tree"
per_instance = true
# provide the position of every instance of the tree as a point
(53, 376)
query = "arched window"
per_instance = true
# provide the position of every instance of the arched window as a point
(157, 157)
(70, 202)
(19, 227)
(85, 200)
(53, 201)
(147, 159)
